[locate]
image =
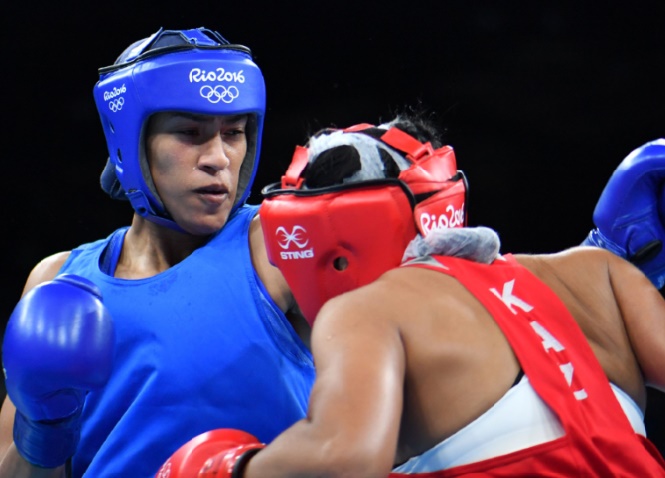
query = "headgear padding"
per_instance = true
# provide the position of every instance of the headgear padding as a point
(332, 239)
(195, 71)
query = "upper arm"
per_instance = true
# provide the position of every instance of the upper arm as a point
(45, 270)
(643, 311)
(274, 282)
(355, 407)
(270, 275)
(360, 364)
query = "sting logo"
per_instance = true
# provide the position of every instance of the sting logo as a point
(298, 238)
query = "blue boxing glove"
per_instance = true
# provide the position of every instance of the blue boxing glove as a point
(58, 345)
(630, 213)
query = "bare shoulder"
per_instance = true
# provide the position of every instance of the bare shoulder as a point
(347, 315)
(270, 275)
(46, 269)
(615, 304)
(385, 299)
(575, 263)
(572, 254)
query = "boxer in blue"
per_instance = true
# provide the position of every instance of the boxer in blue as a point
(205, 331)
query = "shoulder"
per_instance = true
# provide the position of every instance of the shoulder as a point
(571, 254)
(46, 269)
(270, 275)
(578, 261)
(386, 299)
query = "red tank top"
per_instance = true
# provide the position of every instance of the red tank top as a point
(563, 370)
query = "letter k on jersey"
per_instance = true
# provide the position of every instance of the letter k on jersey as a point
(550, 343)
(509, 299)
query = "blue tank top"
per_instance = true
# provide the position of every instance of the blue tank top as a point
(199, 346)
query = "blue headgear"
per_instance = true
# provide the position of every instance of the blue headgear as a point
(196, 71)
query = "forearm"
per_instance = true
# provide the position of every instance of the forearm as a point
(229, 453)
(302, 452)
(13, 465)
(277, 461)
(284, 464)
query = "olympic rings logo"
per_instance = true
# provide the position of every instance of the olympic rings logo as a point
(116, 105)
(219, 93)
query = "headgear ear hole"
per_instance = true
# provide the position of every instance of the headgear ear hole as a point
(340, 263)
(119, 154)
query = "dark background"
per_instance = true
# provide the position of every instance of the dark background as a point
(541, 100)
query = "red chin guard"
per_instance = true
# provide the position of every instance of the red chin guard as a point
(331, 240)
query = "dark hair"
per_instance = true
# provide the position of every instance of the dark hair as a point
(332, 166)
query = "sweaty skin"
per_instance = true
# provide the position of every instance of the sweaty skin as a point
(195, 162)
(410, 359)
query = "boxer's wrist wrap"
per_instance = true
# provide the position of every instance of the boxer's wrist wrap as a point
(643, 255)
(47, 444)
(241, 463)
(597, 239)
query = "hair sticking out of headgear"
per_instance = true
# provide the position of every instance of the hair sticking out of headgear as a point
(358, 196)
(376, 159)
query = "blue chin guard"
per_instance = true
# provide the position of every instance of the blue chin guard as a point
(195, 71)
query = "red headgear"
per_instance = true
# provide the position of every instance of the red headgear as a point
(330, 240)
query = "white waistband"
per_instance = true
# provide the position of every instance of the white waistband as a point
(520, 419)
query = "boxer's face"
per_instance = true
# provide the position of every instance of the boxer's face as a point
(195, 161)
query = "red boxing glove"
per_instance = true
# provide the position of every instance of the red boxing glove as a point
(234, 445)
